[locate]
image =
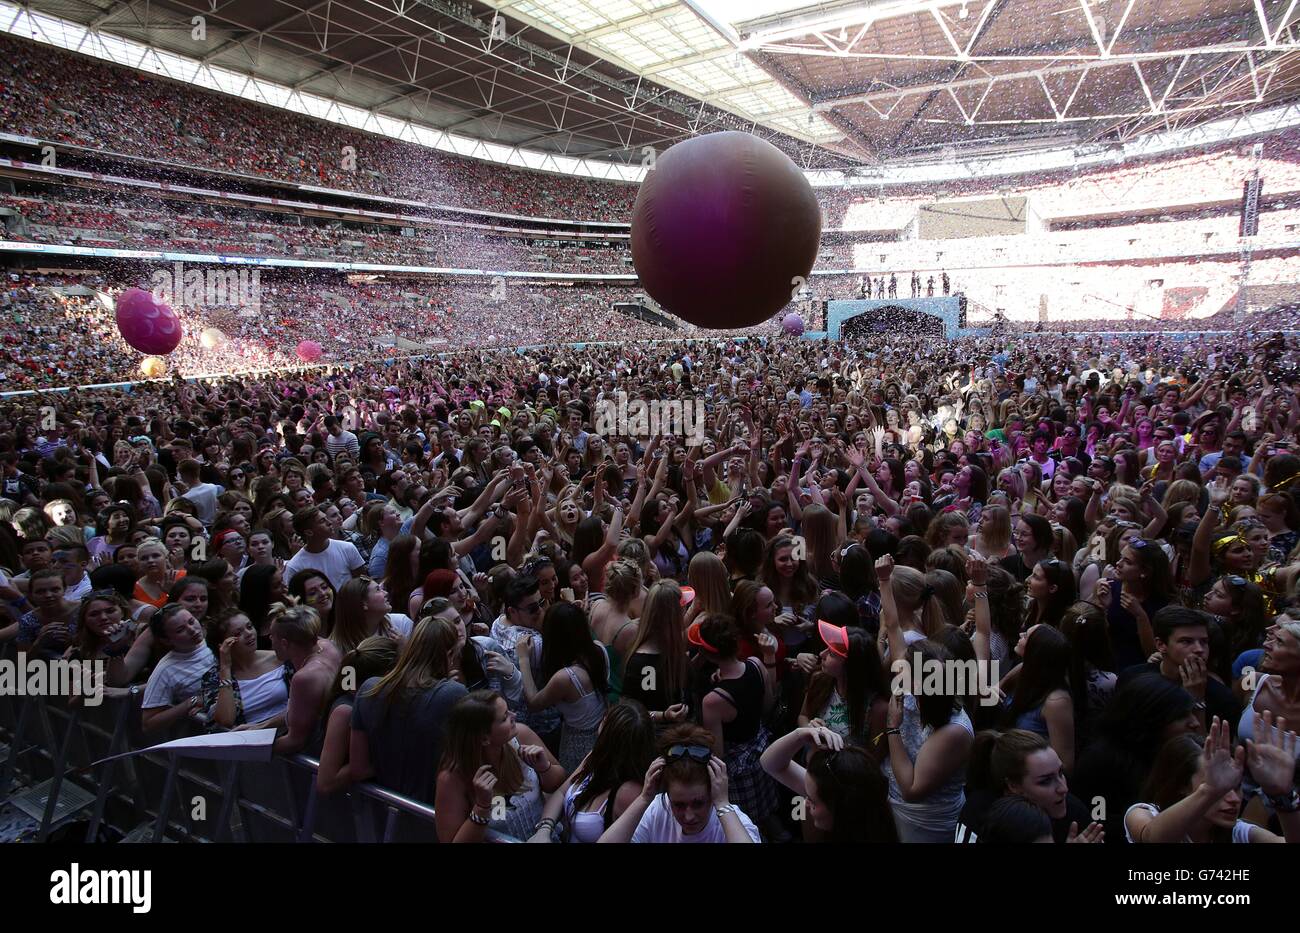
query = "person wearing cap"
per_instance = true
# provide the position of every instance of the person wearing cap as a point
(686, 797)
(849, 694)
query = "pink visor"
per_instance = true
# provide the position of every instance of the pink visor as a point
(836, 637)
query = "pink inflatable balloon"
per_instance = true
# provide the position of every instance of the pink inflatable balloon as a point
(725, 230)
(793, 324)
(309, 351)
(147, 323)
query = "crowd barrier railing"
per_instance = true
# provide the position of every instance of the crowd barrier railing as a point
(64, 764)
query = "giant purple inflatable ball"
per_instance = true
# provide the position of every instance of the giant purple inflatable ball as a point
(309, 351)
(147, 323)
(725, 230)
(793, 324)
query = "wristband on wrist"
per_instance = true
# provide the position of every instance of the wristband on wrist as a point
(892, 730)
(475, 818)
(724, 809)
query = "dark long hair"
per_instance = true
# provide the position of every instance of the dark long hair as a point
(856, 792)
(1060, 575)
(1015, 820)
(255, 593)
(1128, 735)
(864, 680)
(1155, 562)
(1075, 510)
(1084, 626)
(566, 639)
(624, 748)
(650, 525)
(803, 588)
(399, 580)
(1006, 604)
(588, 538)
(1046, 668)
(1171, 776)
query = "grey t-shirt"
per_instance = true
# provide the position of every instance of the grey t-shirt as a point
(406, 736)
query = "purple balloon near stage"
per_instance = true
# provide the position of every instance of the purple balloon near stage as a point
(309, 351)
(725, 230)
(793, 324)
(147, 323)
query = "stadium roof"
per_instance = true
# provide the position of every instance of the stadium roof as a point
(834, 83)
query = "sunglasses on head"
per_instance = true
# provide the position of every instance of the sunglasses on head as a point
(701, 753)
(1235, 580)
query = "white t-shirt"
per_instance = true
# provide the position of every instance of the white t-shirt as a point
(659, 825)
(337, 562)
(204, 497)
(1240, 829)
(177, 676)
(83, 588)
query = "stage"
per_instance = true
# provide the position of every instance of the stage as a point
(941, 315)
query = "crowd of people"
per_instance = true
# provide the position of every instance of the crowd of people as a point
(897, 589)
(57, 330)
(126, 219)
(60, 96)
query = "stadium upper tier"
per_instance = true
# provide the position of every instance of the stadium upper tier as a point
(65, 98)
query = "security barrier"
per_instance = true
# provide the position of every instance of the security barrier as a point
(57, 766)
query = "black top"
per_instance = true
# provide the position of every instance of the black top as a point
(1015, 565)
(746, 694)
(1124, 638)
(645, 668)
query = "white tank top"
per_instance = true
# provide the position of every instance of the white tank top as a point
(264, 697)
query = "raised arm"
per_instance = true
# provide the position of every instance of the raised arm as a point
(942, 753)
(778, 759)
(1159, 517)
(1203, 540)
(1222, 769)
(625, 826)
(977, 571)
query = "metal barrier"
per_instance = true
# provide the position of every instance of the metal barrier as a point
(65, 754)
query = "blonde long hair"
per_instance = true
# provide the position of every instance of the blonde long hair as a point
(468, 725)
(661, 622)
(424, 662)
(708, 576)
